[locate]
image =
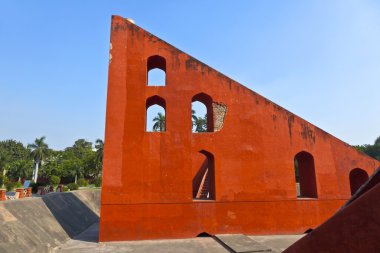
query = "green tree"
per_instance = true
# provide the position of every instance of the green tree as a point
(89, 164)
(82, 144)
(11, 151)
(55, 180)
(4, 159)
(14, 149)
(80, 148)
(371, 150)
(73, 167)
(20, 169)
(99, 145)
(39, 151)
(53, 164)
(200, 124)
(79, 160)
(377, 141)
(159, 125)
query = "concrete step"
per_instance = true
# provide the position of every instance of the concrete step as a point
(239, 243)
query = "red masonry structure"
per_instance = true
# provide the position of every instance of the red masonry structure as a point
(3, 195)
(259, 169)
(28, 192)
(21, 192)
(354, 228)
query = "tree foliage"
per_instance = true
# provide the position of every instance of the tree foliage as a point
(10, 152)
(80, 160)
(371, 150)
(39, 149)
(99, 145)
(159, 123)
(200, 123)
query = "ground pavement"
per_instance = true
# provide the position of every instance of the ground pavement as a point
(87, 242)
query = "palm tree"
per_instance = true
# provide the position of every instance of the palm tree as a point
(159, 125)
(39, 151)
(99, 145)
(200, 124)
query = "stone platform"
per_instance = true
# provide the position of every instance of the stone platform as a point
(87, 243)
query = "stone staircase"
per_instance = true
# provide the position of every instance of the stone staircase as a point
(203, 191)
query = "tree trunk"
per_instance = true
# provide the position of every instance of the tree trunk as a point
(36, 173)
(76, 177)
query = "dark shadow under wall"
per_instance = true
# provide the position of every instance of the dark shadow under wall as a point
(71, 213)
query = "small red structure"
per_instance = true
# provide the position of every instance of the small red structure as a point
(258, 168)
(20, 192)
(28, 192)
(3, 195)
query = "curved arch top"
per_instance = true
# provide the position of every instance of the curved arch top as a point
(156, 71)
(202, 97)
(156, 61)
(156, 100)
(160, 118)
(304, 154)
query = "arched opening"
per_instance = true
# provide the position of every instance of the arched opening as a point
(306, 183)
(357, 178)
(199, 117)
(204, 179)
(204, 234)
(156, 71)
(308, 231)
(202, 113)
(155, 114)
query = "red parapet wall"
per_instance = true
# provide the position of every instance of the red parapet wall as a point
(186, 220)
(154, 182)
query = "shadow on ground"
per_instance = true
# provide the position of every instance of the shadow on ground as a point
(71, 213)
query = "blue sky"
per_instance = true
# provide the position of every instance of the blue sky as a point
(319, 59)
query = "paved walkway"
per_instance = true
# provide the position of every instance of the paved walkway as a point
(87, 242)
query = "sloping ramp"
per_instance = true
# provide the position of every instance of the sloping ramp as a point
(40, 224)
(353, 229)
(239, 243)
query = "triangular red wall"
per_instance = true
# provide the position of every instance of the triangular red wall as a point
(147, 179)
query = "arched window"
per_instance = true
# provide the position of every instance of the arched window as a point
(155, 114)
(202, 113)
(357, 178)
(306, 183)
(156, 71)
(204, 179)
